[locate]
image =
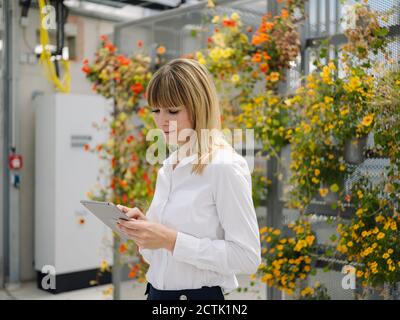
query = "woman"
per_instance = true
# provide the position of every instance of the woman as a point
(201, 227)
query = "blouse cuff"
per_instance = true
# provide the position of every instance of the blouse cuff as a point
(186, 247)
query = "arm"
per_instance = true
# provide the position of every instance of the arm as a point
(240, 251)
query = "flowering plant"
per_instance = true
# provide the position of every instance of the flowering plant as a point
(277, 43)
(130, 177)
(269, 117)
(371, 240)
(286, 260)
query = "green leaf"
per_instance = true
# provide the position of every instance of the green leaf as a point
(313, 272)
(329, 252)
(325, 269)
(333, 237)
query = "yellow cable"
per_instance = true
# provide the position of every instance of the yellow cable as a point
(45, 58)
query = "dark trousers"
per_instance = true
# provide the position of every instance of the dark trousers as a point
(204, 293)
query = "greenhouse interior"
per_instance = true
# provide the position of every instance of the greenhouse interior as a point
(307, 92)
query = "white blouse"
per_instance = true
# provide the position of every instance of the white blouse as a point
(218, 234)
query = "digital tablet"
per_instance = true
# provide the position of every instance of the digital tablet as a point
(108, 213)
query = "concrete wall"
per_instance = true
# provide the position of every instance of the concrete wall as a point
(31, 79)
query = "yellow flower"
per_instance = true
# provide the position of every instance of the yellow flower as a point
(279, 247)
(334, 188)
(235, 16)
(310, 239)
(215, 19)
(235, 78)
(263, 230)
(359, 212)
(274, 77)
(328, 100)
(317, 172)
(300, 245)
(200, 58)
(367, 120)
(104, 266)
(390, 251)
(323, 192)
(380, 235)
(276, 232)
(385, 256)
(266, 277)
(307, 291)
(315, 180)
(344, 111)
(350, 243)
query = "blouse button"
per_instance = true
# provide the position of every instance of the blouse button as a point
(183, 297)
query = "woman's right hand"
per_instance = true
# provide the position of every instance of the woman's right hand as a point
(133, 213)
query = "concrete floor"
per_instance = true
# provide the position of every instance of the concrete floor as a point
(130, 290)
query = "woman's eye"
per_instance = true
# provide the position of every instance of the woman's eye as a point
(155, 110)
(173, 112)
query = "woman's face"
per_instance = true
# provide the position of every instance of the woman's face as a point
(172, 121)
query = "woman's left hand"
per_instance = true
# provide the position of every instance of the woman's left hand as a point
(149, 234)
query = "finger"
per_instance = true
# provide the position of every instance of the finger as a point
(135, 213)
(131, 224)
(134, 232)
(122, 208)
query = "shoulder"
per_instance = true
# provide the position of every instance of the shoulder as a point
(228, 161)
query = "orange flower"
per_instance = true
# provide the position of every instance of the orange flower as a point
(132, 273)
(266, 26)
(140, 43)
(122, 248)
(161, 50)
(104, 38)
(285, 14)
(256, 58)
(266, 56)
(123, 183)
(228, 23)
(86, 69)
(264, 67)
(141, 111)
(86, 147)
(130, 138)
(259, 39)
(137, 88)
(123, 60)
(110, 47)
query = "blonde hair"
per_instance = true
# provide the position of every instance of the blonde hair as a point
(185, 82)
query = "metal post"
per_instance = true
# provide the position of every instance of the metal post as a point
(274, 209)
(12, 210)
(3, 159)
(116, 271)
(10, 194)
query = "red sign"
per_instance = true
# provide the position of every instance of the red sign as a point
(15, 161)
